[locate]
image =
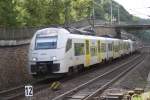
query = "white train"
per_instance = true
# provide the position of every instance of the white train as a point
(57, 51)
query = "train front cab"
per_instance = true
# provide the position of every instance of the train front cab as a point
(46, 53)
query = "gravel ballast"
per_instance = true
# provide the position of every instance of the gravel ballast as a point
(137, 78)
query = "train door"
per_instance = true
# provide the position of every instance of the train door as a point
(114, 49)
(99, 51)
(87, 53)
(107, 50)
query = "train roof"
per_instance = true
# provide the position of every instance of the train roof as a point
(52, 30)
(76, 36)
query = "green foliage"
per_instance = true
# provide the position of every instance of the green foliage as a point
(18, 13)
(81, 9)
(7, 13)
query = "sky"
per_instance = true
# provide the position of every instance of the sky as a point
(137, 7)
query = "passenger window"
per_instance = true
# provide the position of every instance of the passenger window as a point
(87, 47)
(103, 47)
(68, 45)
(79, 49)
(110, 47)
(115, 48)
(93, 51)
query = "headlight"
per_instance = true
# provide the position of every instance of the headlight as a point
(34, 59)
(54, 58)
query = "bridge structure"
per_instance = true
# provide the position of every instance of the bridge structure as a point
(133, 27)
(116, 30)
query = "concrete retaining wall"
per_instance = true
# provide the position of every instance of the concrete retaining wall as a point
(14, 42)
(13, 66)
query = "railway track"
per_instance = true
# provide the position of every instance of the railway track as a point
(96, 86)
(14, 93)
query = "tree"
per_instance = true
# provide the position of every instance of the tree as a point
(20, 13)
(82, 9)
(54, 12)
(7, 13)
(36, 11)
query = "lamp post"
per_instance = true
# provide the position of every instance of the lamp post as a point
(111, 11)
(93, 14)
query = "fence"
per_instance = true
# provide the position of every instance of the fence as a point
(16, 33)
(12, 33)
(27, 32)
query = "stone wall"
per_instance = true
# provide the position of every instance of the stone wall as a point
(13, 66)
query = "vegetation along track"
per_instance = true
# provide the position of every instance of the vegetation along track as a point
(12, 94)
(95, 86)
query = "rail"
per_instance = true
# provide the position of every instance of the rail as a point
(70, 94)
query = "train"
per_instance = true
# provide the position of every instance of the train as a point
(56, 50)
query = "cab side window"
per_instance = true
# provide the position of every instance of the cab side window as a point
(69, 44)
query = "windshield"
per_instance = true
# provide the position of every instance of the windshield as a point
(49, 42)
